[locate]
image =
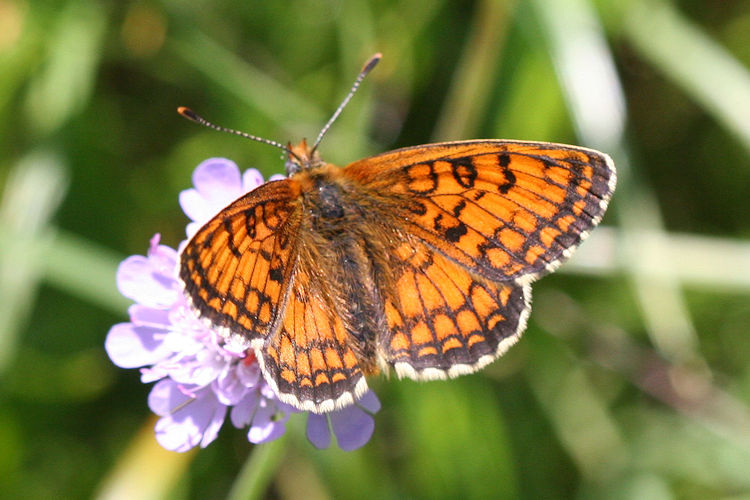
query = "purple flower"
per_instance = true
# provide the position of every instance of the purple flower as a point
(200, 377)
(352, 425)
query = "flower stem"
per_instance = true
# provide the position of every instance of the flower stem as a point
(258, 471)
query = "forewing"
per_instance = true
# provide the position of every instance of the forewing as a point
(309, 360)
(507, 210)
(236, 268)
(442, 320)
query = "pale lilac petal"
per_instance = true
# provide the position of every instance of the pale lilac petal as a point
(251, 179)
(148, 316)
(192, 228)
(192, 329)
(200, 370)
(176, 340)
(228, 387)
(269, 423)
(138, 280)
(218, 178)
(176, 437)
(181, 245)
(318, 432)
(352, 426)
(283, 407)
(187, 421)
(217, 183)
(276, 177)
(267, 392)
(195, 206)
(130, 346)
(165, 395)
(248, 373)
(242, 412)
(154, 373)
(234, 347)
(162, 258)
(370, 402)
(269, 432)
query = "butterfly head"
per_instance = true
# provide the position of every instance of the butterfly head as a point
(301, 157)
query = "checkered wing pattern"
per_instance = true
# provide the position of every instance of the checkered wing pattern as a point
(509, 211)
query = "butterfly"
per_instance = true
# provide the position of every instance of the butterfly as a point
(418, 260)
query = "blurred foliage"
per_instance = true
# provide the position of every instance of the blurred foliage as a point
(633, 380)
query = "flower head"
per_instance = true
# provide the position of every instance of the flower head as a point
(199, 377)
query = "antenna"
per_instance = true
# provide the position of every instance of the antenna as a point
(194, 117)
(361, 76)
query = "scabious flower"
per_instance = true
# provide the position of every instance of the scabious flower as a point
(199, 377)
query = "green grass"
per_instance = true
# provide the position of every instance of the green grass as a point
(633, 379)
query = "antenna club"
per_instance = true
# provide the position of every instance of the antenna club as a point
(375, 59)
(188, 113)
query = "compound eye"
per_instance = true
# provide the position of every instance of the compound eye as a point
(291, 167)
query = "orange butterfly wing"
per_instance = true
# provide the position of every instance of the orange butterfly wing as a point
(236, 268)
(242, 273)
(309, 360)
(485, 218)
(509, 211)
(444, 320)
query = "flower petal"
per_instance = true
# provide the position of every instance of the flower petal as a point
(217, 178)
(194, 206)
(217, 183)
(251, 179)
(165, 395)
(200, 370)
(137, 279)
(228, 386)
(186, 421)
(352, 426)
(269, 423)
(242, 412)
(131, 346)
(318, 432)
(161, 257)
(148, 316)
(248, 373)
(191, 229)
(370, 402)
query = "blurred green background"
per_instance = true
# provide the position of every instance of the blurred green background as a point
(633, 379)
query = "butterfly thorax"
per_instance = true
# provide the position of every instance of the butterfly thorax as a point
(342, 250)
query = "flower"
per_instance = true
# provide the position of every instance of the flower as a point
(199, 377)
(352, 425)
